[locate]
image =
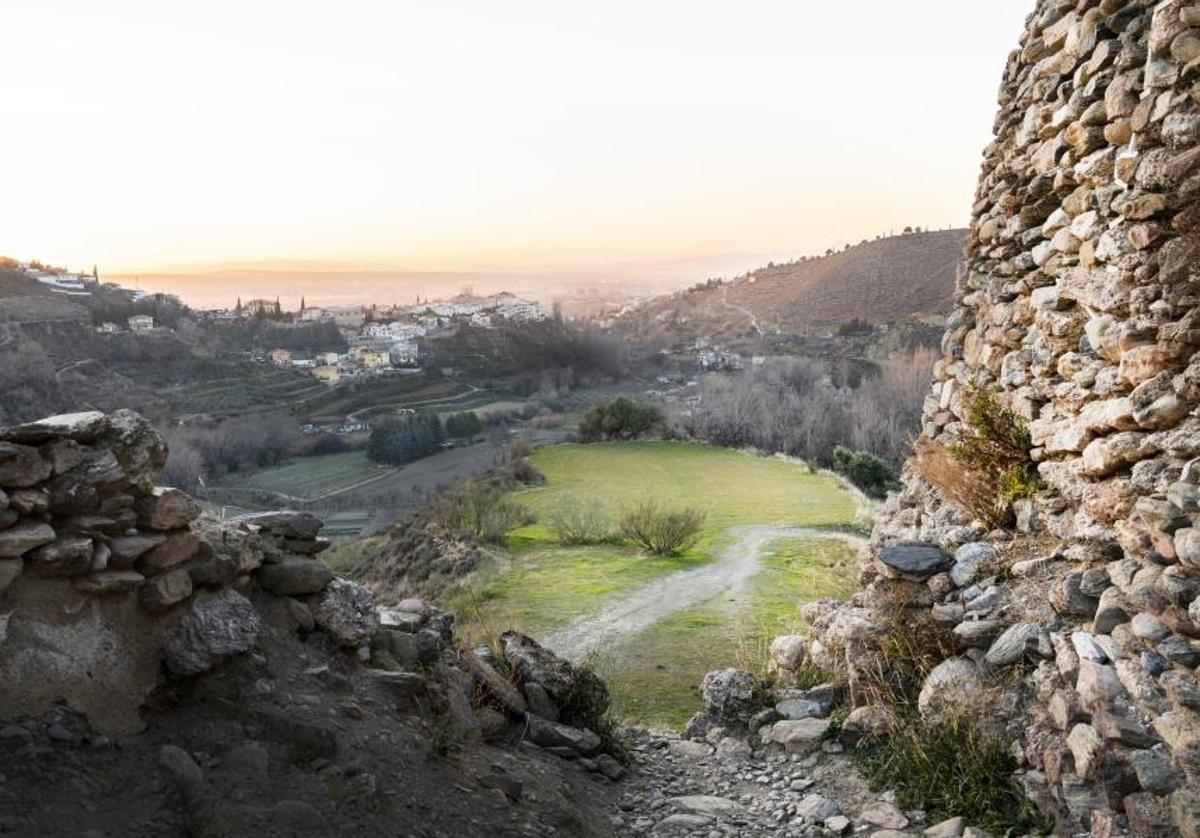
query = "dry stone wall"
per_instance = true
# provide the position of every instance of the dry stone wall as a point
(109, 582)
(1078, 308)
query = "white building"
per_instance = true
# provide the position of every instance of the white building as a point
(141, 323)
(70, 284)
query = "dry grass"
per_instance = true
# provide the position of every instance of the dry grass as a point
(951, 764)
(961, 485)
(988, 466)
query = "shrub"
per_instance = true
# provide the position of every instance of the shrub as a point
(658, 530)
(399, 441)
(866, 471)
(988, 467)
(950, 767)
(949, 764)
(464, 425)
(485, 511)
(588, 705)
(581, 521)
(619, 418)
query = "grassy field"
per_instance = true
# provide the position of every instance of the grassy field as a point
(732, 487)
(310, 477)
(486, 408)
(539, 585)
(654, 675)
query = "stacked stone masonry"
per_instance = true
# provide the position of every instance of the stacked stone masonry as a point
(105, 576)
(1079, 305)
(112, 587)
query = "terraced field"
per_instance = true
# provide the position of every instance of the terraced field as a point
(310, 478)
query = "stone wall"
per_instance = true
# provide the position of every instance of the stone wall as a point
(109, 583)
(1077, 306)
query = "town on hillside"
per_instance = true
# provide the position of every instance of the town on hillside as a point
(382, 341)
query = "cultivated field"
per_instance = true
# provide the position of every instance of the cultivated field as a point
(308, 478)
(714, 604)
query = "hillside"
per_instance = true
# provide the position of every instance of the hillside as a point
(22, 300)
(879, 281)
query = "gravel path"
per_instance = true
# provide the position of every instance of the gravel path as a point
(729, 573)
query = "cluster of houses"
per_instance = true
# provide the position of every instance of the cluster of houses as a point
(361, 361)
(137, 323)
(420, 319)
(60, 280)
(386, 341)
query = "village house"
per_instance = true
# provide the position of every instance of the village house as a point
(107, 328)
(330, 374)
(369, 358)
(255, 308)
(141, 323)
(280, 357)
(70, 284)
(349, 318)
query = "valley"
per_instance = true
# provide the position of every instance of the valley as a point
(776, 535)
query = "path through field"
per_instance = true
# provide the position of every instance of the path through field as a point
(729, 574)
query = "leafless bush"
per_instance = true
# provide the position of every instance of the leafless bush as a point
(201, 453)
(474, 506)
(658, 530)
(581, 521)
(807, 408)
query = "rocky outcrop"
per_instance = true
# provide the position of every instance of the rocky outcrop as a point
(1078, 310)
(107, 580)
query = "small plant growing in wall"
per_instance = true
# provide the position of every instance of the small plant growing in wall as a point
(988, 467)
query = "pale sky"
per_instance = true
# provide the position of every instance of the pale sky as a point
(457, 134)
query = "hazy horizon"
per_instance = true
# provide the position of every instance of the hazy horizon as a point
(515, 139)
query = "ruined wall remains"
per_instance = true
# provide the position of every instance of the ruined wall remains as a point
(108, 582)
(1078, 308)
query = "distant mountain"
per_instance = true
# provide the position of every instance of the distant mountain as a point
(885, 280)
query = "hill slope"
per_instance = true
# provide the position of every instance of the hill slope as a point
(879, 281)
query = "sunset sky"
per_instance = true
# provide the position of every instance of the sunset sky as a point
(472, 135)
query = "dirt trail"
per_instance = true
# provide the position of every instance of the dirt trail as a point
(729, 573)
(742, 309)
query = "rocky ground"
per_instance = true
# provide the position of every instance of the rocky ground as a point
(785, 770)
(294, 739)
(301, 738)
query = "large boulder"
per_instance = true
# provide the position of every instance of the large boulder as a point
(21, 466)
(494, 684)
(87, 426)
(19, 540)
(216, 626)
(915, 558)
(950, 686)
(346, 612)
(787, 653)
(285, 522)
(295, 577)
(533, 663)
(555, 735)
(137, 446)
(86, 642)
(166, 509)
(729, 695)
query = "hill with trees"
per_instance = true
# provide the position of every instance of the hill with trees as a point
(871, 283)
